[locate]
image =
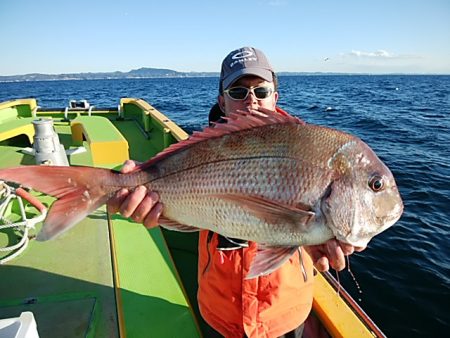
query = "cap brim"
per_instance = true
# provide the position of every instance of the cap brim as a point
(265, 74)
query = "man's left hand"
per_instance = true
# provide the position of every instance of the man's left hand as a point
(331, 253)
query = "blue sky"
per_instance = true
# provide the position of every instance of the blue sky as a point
(297, 35)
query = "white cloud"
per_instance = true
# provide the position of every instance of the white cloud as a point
(276, 3)
(378, 61)
(380, 54)
(377, 54)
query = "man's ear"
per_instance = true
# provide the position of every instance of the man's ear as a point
(221, 101)
(275, 97)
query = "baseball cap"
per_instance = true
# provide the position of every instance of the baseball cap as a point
(244, 61)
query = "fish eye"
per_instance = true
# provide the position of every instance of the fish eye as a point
(376, 183)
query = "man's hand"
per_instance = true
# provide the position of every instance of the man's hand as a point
(332, 253)
(140, 205)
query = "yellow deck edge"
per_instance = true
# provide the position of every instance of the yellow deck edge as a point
(12, 103)
(178, 133)
(334, 313)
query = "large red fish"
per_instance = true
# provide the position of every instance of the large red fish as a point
(269, 179)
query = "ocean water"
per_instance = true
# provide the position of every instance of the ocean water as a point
(404, 274)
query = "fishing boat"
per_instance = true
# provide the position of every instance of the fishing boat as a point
(109, 276)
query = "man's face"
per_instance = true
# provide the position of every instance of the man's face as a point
(229, 105)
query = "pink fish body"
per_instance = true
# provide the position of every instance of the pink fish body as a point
(272, 180)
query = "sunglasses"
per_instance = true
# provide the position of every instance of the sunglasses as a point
(241, 93)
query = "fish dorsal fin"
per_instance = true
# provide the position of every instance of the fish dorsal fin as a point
(235, 122)
(271, 211)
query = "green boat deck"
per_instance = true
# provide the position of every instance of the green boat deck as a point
(108, 276)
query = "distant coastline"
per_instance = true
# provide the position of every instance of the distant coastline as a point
(146, 73)
(141, 73)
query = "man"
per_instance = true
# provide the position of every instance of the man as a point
(269, 306)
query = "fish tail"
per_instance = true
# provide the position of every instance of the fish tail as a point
(79, 190)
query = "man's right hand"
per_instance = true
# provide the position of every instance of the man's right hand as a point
(140, 205)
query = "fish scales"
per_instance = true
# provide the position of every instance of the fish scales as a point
(265, 164)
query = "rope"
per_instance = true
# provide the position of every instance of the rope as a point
(7, 196)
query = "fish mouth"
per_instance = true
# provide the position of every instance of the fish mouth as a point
(390, 219)
(358, 240)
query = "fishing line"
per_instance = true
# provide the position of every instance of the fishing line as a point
(338, 283)
(354, 278)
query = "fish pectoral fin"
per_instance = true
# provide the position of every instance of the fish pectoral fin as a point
(268, 259)
(169, 224)
(270, 211)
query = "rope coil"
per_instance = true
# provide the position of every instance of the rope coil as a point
(8, 195)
